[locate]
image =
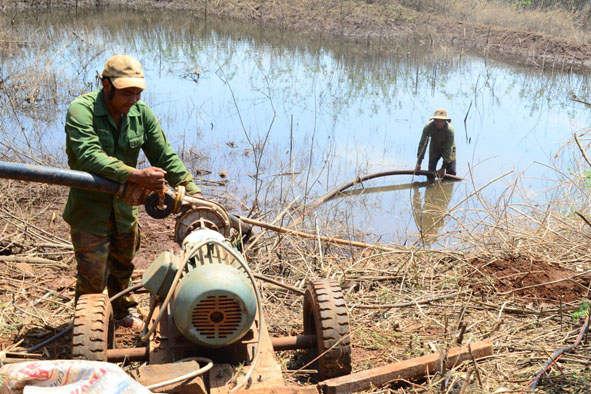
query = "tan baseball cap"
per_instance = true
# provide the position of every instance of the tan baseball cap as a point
(125, 72)
(440, 114)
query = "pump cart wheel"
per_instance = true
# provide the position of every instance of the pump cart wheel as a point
(325, 315)
(93, 328)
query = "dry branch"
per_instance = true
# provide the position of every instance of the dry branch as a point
(407, 304)
(302, 234)
(582, 150)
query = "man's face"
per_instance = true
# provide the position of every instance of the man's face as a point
(439, 123)
(121, 100)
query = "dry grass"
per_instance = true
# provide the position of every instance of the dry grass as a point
(555, 22)
(552, 20)
(36, 284)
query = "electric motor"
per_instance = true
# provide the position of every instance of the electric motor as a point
(214, 302)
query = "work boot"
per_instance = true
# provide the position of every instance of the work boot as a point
(130, 319)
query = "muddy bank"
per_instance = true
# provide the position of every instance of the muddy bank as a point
(385, 22)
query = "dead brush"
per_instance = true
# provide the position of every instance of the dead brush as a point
(35, 263)
(551, 21)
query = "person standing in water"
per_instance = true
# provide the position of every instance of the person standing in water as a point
(439, 135)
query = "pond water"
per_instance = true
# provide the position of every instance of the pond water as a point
(290, 116)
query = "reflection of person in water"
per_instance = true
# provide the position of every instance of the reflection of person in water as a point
(429, 216)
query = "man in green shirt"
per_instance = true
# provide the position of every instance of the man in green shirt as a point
(442, 145)
(105, 131)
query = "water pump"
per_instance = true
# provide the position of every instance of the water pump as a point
(214, 303)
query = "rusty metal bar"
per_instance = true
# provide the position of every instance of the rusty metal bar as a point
(131, 354)
(294, 343)
(281, 343)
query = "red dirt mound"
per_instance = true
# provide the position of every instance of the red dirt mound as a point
(530, 280)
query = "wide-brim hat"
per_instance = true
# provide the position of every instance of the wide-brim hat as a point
(124, 71)
(440, 114)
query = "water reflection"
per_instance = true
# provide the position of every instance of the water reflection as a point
(430, 209)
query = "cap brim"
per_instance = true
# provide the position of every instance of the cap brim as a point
(123, 83)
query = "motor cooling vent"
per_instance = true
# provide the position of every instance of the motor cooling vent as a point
(217, 317)
(214, 305)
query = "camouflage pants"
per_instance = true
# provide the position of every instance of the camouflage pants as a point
(106, 262)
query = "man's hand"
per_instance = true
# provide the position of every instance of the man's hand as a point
(418, 166)
(151, 178)
(441, 173)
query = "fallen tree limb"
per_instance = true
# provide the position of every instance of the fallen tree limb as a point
(406, 304)
(518, 311)
(280, 284)
(32, 260)
(47, 235)
(302, 234)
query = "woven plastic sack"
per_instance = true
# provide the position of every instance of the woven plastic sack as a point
(67, 377)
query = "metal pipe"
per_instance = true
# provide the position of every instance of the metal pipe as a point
(131, 354)
(281, 343)
(58, 176)
(294, 343)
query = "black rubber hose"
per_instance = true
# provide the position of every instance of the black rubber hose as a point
(58, 176)
(557, 354)
(364, 178)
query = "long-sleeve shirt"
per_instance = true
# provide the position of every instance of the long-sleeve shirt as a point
(442, 142)
(95, 145)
